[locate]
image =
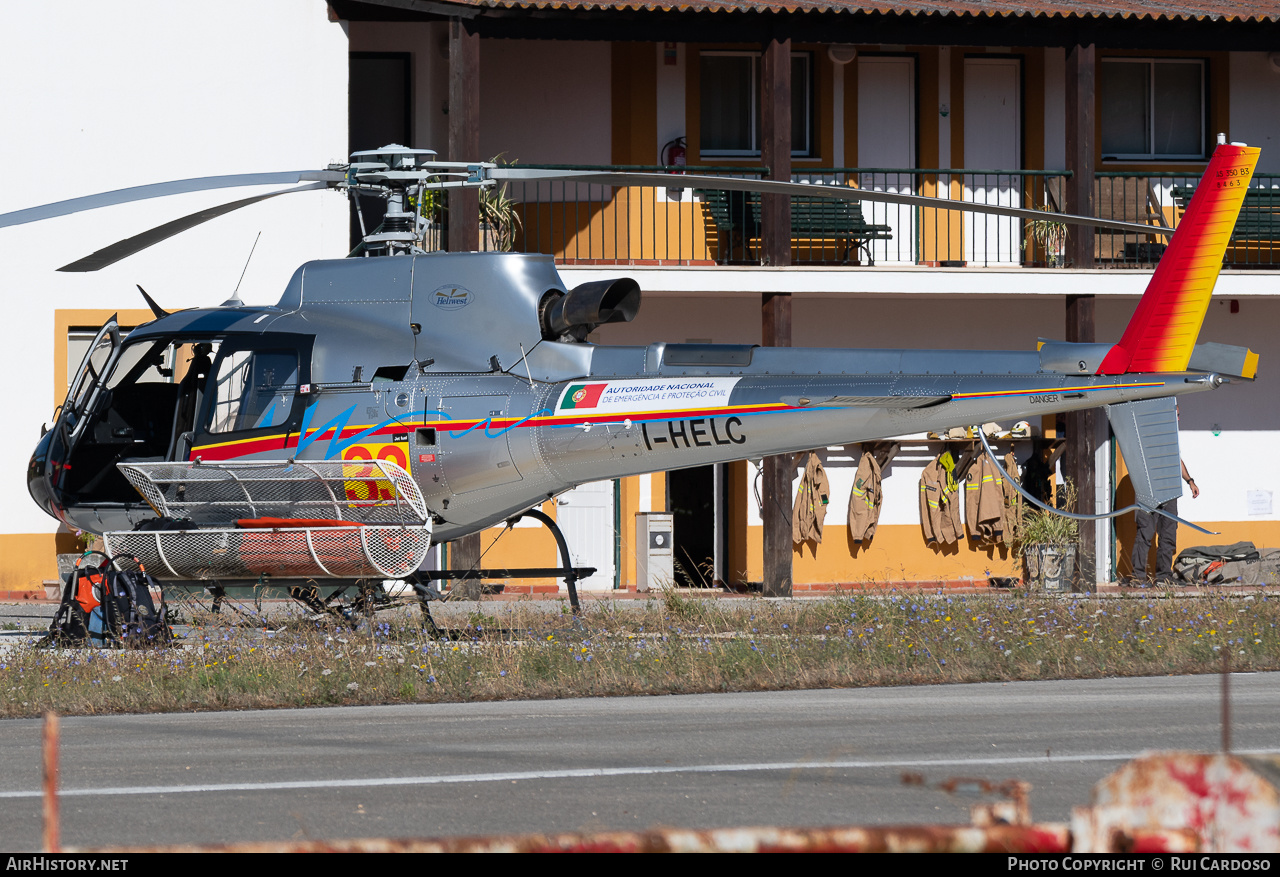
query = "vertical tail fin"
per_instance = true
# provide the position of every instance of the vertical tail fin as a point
(1164, 328)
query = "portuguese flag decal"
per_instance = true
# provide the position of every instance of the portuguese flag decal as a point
(582, 396)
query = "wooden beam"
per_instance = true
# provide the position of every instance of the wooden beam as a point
(775, 233)
(1081, 152)
(779, 470)
(464, 133)
(1084, 433)
(775, 151)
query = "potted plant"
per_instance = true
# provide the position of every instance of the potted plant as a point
(499, 217)
(1048, 542)
(1050, 235)
(429, 204)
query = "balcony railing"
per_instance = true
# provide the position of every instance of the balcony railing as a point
(582, 223)
(1159, 198)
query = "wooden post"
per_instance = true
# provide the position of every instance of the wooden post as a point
(1083, 427)
(1083, 436)
(464, 133)
(1080, 153)
(775, 233)
(775, 489)
(52, 839)
(775, 152)
(464, 553)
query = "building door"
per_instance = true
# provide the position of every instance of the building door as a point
(697, 500)
(585, 515)
(887, 139)
(378, 113)
(993, 141)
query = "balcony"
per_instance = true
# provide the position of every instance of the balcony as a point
(678, 225)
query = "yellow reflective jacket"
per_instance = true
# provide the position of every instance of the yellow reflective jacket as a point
(864, 499)
(811, 502)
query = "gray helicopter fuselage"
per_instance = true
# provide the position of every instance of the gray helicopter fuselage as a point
(445, 365)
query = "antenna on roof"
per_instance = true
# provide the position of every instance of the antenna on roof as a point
(234, 301)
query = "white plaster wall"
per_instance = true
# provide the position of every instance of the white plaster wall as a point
(104, 96)
(545, 102)
(1255, 106)
(428, 46)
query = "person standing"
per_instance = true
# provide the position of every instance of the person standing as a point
(1165, 531)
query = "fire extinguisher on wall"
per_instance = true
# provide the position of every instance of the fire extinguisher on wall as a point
(673, 155)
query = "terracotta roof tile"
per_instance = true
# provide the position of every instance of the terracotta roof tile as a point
(1242, 10)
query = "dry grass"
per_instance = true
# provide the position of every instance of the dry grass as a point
(669, 645)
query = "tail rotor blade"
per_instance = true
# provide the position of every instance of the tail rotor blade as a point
(109, 255)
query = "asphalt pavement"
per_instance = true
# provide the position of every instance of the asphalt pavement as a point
(801, 758)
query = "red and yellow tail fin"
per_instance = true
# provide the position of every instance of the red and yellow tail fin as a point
(1164, 328)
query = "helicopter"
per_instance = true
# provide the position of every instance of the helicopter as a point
(398, 398)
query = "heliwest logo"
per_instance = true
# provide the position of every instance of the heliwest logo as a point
(452, 298)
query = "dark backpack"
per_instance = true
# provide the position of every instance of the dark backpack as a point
(1239, 563)
(133, 618)
(109, 603)
(82, 593)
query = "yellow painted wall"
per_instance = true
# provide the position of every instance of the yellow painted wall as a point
(29, 559)
(633, 225)
(65, 319)
(520, 547)
(896, 553)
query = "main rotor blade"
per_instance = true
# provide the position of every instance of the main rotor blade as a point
(159, 190)
(113, 253)
(776, 187)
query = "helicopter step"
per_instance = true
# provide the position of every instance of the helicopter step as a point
(570, 573)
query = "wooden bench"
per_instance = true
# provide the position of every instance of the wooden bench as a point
(1259, 219)
(737, 219)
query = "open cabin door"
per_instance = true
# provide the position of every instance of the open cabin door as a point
(88, 385)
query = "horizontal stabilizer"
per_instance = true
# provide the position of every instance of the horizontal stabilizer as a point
(864, 401)
(1147, 432)
(1238, 362)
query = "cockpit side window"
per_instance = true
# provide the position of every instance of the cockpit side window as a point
(253, 389)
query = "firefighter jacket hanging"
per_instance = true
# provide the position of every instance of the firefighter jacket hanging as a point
(865, 498)
(984, 502)
(940, 504)
(1012, 501)
(811, 502)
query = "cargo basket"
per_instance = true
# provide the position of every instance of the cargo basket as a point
(341, 519)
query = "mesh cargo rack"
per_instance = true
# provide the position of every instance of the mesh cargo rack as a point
(302, 519)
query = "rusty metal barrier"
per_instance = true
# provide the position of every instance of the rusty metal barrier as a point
(903, 839)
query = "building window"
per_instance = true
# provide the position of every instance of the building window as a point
(1152, 108)
(730, 102)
